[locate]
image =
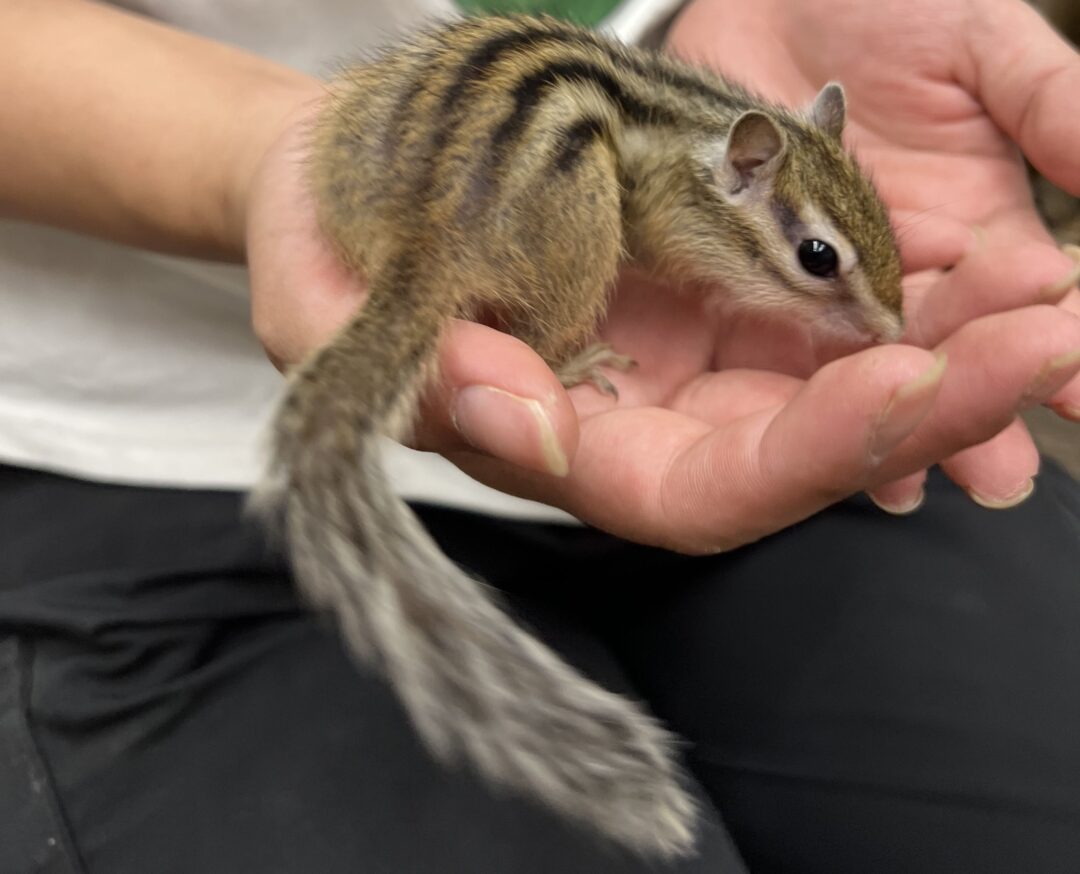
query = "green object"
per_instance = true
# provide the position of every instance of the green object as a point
(585, 12)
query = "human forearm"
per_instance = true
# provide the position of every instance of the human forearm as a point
(117, 126)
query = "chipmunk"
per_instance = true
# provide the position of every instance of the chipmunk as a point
(511, 165)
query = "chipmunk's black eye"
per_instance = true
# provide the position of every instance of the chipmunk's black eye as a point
(818, 258)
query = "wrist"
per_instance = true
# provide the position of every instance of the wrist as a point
(272, 112)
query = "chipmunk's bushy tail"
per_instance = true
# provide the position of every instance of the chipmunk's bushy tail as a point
(476, 686)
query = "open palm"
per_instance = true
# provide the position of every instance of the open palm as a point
(732, 428)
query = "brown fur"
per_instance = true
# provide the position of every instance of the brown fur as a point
(511, 166)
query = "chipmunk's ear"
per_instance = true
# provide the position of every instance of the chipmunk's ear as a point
(829, 109)
(755, 148)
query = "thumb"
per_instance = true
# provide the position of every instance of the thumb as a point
(495, 395)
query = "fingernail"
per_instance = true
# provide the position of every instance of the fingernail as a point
(1055, 291)
(1011, 500)
(495, 421)
(901, 509)
(1068, 411)
(1051, 377)
(906, 409)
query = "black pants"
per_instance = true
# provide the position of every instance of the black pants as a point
(858, 694)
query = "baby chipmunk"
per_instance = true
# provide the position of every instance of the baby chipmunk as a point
(511, 166)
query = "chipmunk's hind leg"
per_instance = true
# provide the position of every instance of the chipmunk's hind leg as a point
(572, 238)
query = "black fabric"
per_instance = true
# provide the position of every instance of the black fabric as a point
(188, 717)
(858, 694)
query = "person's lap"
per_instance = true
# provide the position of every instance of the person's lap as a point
(168, 707)
(859, 693)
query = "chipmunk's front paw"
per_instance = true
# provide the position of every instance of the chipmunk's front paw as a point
(585, 367)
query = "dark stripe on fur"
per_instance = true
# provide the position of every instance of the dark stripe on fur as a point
(532, 87)
(787, 218)
(477, 66)
(575, 139)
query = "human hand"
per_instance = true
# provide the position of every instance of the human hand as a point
(940, 96)
(699, 454)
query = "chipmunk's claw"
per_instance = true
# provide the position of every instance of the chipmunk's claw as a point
(585, 367)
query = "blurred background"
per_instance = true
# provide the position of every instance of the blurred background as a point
(1056, 437)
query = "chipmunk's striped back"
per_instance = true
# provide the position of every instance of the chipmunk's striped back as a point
(468, 108)
(509, 166)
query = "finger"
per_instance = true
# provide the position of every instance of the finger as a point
(999, 473)
(1013, 265)
(496, 395)
(997, 366)
(928, 241)
(1066, 403)
(903, 496)
(1028, 78)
